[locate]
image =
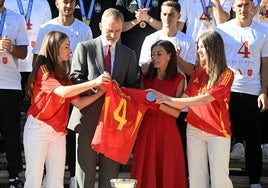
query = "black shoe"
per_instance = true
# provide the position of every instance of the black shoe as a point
(15, 184)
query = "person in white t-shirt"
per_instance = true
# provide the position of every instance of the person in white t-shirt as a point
(186, 48)
(77, 31)
(262, 17)
(246, 47)
(36, 13)
(203, 15)
(260, 14)
(13, 45)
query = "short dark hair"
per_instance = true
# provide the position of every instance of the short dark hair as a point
(173, 4)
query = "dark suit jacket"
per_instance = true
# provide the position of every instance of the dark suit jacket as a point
(88, 64)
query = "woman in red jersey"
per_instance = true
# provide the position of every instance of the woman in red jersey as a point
(208, 130)
(51, 92)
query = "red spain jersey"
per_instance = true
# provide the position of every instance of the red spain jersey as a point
(46, 105)
(119, 122)
(213, 117)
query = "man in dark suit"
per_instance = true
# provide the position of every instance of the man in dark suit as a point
(87, 64)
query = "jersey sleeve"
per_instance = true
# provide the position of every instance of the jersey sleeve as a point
(22, 37)
(223, 86)
(39, 40)
(48, 84)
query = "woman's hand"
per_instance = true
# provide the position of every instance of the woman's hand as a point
(160, 97)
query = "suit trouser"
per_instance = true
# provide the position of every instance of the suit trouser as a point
(70, 151)
(10, 103)
(86, 162)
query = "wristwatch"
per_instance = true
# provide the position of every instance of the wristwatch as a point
(150, 21)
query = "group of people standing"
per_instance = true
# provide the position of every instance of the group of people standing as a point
(209, 83)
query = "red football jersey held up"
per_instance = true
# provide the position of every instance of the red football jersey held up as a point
(119, 121)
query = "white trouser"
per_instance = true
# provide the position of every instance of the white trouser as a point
(43, 145)
(208, 159)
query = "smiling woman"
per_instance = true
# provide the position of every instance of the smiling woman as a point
(51, 92)
(65, 50)
(207, 97)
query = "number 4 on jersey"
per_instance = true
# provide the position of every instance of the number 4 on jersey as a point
(244, 50)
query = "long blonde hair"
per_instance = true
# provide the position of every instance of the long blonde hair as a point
(48, 60)
(216, 63)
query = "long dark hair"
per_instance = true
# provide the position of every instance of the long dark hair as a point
(48, 60)
(171, 70)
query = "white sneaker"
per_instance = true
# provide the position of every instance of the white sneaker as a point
(255, 186)
(265, 151)
(238, 151)
(72, 182)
